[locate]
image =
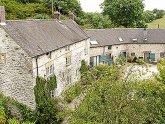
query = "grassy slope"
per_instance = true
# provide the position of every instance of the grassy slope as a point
(155, 23)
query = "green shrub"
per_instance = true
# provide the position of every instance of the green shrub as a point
(84, 67)
(140, 61)
(46, 109)
(121, 60)
(74, 91)
(13, 121)
(2, 113)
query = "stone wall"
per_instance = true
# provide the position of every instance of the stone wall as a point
(78, 52)
(16, 78)
(138, 49)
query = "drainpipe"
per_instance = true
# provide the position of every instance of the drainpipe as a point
(104, 50)
(37, 65)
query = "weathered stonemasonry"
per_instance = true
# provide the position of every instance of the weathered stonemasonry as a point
(16, 78)
(109, 44)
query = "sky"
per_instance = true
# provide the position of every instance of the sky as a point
(93, 5)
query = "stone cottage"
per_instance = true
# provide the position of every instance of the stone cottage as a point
(30, 48)
(109, 44)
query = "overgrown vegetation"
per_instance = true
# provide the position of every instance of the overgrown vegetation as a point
(46, 107)
(73, 92)
(111, 16)
(12, 111)
(112, 100)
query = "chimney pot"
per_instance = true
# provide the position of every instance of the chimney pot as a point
(2, 15)
(57, 15)
(71, 15)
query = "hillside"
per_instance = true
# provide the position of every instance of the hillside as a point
(155, 23)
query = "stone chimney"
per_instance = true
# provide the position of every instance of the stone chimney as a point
(2, 15)
(71, 15)
(57, 15)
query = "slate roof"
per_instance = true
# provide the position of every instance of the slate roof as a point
(38, 37)
(106, 37)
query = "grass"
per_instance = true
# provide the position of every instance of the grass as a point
(155, 23)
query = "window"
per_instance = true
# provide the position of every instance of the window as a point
(162, 55)
(86, 51)
(52, 93)
(69, 79)
(110, 47)
(132, 54)
(67, 48)
(2, 58)
(78, 72)
(68, 61)
(49, 71)
(49, 55)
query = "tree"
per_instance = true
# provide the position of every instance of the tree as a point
(64, 6)
(16, 10)
(46, 109)
(113, 101)
(28, 1)
(96, 21)
(149, 16)
(161, 68)
(159, 13)
(127, 13)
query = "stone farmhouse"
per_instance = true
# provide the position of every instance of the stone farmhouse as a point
(31, 48)
(108, 44)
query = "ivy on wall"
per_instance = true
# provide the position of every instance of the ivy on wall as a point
(46, 107)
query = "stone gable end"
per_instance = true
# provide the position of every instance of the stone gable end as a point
(16, 75)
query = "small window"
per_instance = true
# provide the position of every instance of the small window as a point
(49, 71)
(77, 72)
(110, 47)
(49, 55)
(68, 61)
(86, 51)
(2, 58)
(67, 48)
(69, 79)
(52, 93)
(162, 55)
(132, 54)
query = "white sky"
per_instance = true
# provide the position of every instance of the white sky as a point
(93, 5)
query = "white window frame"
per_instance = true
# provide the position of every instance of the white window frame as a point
(49, 71)
(67, 48)
(68, 61)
